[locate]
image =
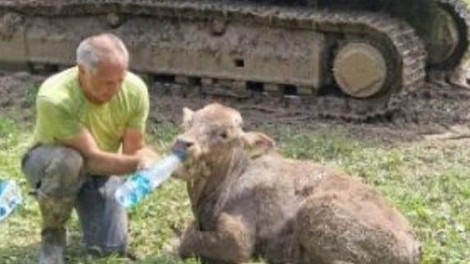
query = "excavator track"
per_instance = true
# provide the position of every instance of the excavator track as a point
(459, 9)
(402, 48)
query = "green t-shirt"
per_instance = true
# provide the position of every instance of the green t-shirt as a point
(63, 111)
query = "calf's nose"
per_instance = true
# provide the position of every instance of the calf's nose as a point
(182, 145)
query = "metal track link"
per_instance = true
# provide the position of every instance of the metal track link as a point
(398, 36)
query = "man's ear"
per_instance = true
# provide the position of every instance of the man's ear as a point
(257, 143)
(187, 117)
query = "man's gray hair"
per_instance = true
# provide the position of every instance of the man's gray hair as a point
(90, 55)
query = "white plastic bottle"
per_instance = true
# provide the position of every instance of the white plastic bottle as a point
(10, 198)
(143, 182)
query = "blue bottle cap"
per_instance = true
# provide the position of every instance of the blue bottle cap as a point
(182, 155)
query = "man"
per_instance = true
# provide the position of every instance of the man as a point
(90, 125)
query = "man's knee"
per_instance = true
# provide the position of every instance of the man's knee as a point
(54, 170)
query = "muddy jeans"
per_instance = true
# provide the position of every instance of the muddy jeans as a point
(58, 178)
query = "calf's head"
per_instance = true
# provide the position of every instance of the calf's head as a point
(213, 137)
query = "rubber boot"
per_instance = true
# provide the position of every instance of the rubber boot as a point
(54, 235)
(53, 245)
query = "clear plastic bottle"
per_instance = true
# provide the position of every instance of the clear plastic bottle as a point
(10, 197)
(143, 182)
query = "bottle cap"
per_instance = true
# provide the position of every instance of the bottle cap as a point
(181, 154)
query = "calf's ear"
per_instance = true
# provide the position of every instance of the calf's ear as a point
(257, 143)
(187, 117)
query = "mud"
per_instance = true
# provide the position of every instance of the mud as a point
(17, 92)
(434, 112)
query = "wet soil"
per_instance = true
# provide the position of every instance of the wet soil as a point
(434, 112)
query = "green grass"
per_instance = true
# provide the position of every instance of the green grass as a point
(428, 182)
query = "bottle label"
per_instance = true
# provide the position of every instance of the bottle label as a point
(134, 190)
(143, 183)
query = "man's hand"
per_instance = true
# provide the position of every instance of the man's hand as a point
(147, 158)
(133, 143)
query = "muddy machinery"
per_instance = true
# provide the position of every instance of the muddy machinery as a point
(353, 59)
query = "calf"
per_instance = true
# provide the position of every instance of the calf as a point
(249, 201)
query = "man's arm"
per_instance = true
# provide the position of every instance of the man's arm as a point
(134, 143)
(57, 123)
(100, 162)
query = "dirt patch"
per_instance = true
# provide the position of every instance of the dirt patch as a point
(435, 112)
(17, 92)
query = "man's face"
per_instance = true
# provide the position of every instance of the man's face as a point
(103, 84)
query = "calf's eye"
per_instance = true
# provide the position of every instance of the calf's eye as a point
(224, 135)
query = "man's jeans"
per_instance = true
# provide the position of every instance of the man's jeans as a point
(60, 183)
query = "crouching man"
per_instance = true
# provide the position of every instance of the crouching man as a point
(89, 130)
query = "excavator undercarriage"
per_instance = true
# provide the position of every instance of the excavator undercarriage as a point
(364, 58)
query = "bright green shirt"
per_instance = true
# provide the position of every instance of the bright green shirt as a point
(63, 111)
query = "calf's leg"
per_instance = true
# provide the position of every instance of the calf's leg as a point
(231, 242)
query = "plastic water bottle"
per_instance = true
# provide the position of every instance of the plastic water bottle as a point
(143, 182)
(10, 198)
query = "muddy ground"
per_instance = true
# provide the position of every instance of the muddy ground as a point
(434, 112)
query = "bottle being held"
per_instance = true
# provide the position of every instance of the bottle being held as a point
(10, 198)
(143, 182)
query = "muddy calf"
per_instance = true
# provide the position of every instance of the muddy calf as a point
(249, 201)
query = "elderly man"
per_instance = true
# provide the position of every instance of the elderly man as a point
(89, 129)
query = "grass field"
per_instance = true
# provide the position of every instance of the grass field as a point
(428, 181)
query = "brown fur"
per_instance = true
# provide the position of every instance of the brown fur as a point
(249, 201)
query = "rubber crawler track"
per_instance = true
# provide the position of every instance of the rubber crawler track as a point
(460, 9)
(398, 36)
